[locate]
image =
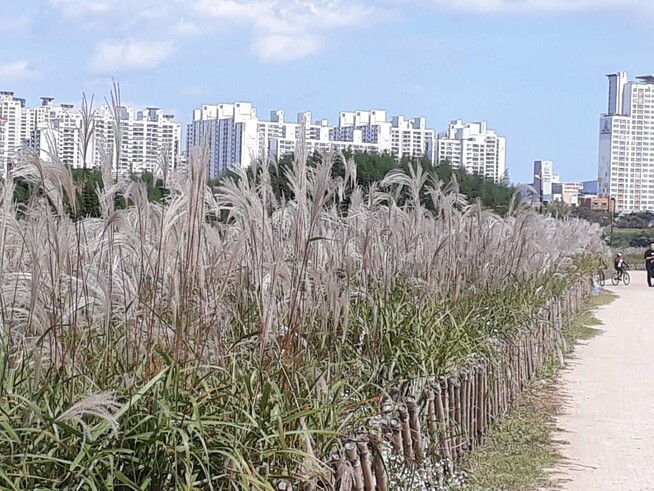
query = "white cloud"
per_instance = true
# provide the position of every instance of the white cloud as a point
(527, 6)
(186, 28)
(118, 56)
(275, 25)
(291, 30)
(235, 9)
(285, 47)
(16, 70)
(80, 8)
(15, 25)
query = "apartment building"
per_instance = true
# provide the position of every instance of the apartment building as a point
(473, 147)
(364, 126)
(56, 132)
(236, 137)
(544, 180)
(411, 138)
(4, 144)
(16, 124)
(402, 138)
(567, 192)
(626, 144)
(323, 138)
(148, 138)
(230, 131)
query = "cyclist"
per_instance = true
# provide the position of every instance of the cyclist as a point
(649, 263)
(619, 264)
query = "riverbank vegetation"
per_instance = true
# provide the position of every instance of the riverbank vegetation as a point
(229, 337)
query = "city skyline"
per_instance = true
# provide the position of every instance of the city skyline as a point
(235, 134)
(84, 135)
(533, 69)
(442, 127)
(319, 131)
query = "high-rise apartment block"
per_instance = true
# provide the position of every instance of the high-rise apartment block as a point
(56, 132)
(148, 138)
(473, 147)
(626, 144)
(318, 137)
(230, 132)
(236, 137)
(543, 180)
(16, 125)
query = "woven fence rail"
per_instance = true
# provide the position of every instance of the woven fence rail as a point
(425, 428)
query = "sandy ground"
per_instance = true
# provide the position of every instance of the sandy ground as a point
(607, 421)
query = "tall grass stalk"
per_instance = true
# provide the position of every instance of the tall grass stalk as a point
(241, 334)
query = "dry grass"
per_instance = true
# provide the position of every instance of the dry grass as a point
(172, 281)
(242, 349)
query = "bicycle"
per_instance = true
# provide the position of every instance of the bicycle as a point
(620, 276)
(599, 276)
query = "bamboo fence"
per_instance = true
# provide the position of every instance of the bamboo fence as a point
(445, 417)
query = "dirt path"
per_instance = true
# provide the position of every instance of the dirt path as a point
(608, 415)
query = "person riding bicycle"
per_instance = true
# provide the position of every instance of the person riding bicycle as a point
(619, 263)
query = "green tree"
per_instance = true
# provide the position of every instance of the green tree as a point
(371, 168)
(559, 209)
(87, 182)
(155, 187)
(506, 179)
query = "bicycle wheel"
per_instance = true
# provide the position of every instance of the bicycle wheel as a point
(615, 279)
(602, 278)
(626, 279)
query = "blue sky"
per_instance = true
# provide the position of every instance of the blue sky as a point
(534, 69)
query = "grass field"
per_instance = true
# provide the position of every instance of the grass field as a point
(627, 237)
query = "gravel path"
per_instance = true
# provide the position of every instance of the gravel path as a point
(607, 420)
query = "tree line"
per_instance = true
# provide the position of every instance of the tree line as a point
(87, 182)
(370, 168)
